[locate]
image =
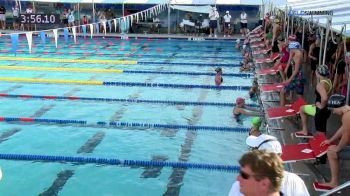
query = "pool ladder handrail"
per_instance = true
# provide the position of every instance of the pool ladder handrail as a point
(338, 188)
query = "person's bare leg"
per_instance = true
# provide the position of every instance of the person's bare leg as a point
(334, 165)
(282, 97)
(303, 116)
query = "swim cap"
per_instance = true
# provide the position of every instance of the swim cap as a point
(239, 100)
(218, 69)
(292, 38)
(294, 45)
(336, 101)
(323, 70)
(256, 122)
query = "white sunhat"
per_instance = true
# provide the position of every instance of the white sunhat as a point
(227, 12)
(272, 146)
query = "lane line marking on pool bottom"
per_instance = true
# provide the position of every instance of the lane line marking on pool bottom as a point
(124, 84)
(68, 60)
(60, 69)
(113, 161)
(118, 124)
(103, 99)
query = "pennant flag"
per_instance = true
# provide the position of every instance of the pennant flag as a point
(43, 37)
(131, 19)
(65, 34)
(104, 27)
(83, 28)
(115, 25)
(137, 18)
(97, 27)
(56, 36)
(14, 40)
(30, 40)
(141, 13)
(91, 30)
(74, 34)
(110, 25)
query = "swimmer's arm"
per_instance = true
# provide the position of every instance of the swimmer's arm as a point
(243, 111)
(288, 63)
(252, 109)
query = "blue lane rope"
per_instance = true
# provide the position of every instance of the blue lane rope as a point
(242, 75)
(165, 85)
(71, 98)
(114, 124)
(111, 161)
(190, 64)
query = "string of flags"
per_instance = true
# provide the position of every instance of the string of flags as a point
(124, 22)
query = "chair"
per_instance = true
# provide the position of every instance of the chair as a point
(286, 111)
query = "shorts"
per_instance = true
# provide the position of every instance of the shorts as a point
(65, 21)
(283, 65)
(244, 25)
(321, 118)
(227, 25)
(2, 17)
(344, 153)
(16, 19)
(213, 24)
(296, 85)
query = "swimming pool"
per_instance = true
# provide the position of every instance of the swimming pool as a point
(178, 116)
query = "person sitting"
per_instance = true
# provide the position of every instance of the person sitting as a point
(218, 76)
(241, 108)
(341, 151)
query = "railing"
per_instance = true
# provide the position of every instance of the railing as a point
(346, 185)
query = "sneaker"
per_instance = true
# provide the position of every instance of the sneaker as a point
(209, 36)
(224, 35)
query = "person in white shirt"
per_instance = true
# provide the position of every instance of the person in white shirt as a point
(213, 17)
(15, 15)
(227, 24)
(244, 23)
(292, 184)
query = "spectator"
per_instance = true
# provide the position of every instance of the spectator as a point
(85, 20)
(292, 184)
(71, 18)
(341, 151)
(29, 10)
(65, 17)
(213, 16)
(244, 23)
(341, 77)
(3, 17)
(227, 24)
(261, 173)
(314, 52)
(15, 15)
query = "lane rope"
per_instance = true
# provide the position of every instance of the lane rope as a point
(117, 124)
(61, 69)
(112, 161)
(128, 84)
(68, 60)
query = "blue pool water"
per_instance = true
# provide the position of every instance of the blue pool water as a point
(124, 143)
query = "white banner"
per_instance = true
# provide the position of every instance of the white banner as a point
(30, 40)
(55, 36)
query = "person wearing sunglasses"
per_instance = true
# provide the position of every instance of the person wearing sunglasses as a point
(291, 184)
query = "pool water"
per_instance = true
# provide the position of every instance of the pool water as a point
(131, 143)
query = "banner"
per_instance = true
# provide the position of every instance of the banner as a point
(55, 35)
(43, 37)
(14, 40)
(65, 34)
(74, 34)
(84, 31)
(29, 36)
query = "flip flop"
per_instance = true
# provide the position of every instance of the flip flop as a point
(300, 135)
(319, 187)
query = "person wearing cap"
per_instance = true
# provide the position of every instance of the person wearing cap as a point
(244, 23)
(314, 53)
(227, 24)
(213, 17)
(218, 76)
(291, 184)
(341, 151)
(319, 110)
(241, 108)
(296, 81)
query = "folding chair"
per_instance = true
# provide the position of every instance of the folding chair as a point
(285, 111)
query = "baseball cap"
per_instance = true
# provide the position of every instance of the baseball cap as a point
(264, 142)
(336, 101)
